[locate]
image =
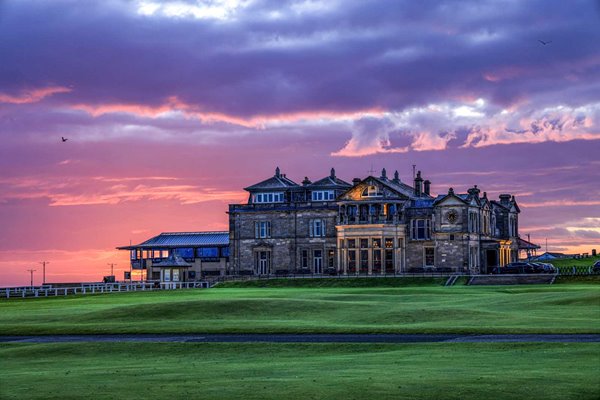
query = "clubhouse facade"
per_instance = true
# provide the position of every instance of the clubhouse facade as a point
(378, 225)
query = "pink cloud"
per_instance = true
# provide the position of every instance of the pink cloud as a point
(33, 95)
(174, 105)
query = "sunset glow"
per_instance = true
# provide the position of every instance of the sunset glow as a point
(169, 109)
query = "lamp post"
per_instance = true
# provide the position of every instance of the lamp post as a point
(44, 271)
(31, 271)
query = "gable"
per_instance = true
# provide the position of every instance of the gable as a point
(372, 189)
(451, 201)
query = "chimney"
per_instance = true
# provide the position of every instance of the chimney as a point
(277, 172)
(332, 174)
(474, 191)
(426, 187)
(396, 177)
(505, 199)
(306, 181)
(356, 181)
(418, 184)
(451, 191)
(383, 174)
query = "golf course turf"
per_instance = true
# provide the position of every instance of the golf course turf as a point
(294, 371)
(573, 308)
(158, 370)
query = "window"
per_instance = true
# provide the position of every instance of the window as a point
(377, 260)
(185, 252)
(304, 259)
(364, 260)
(352, 261)
(376, 243)
(371, 191)
(267, 197)
(323, 195)
(331, 258)
(389, 261)
(316, 227)
(262, 229)
(208, 252)
(389, 243)
(429, 256)
(133, 255)
(364, 243)
(351, 243)
(225, 251)
(451, 237)
(420, 229)
(318, 261)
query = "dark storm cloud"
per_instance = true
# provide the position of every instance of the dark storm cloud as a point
(271, 58)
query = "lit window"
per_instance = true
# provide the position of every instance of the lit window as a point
(323, 195)
(371, 191)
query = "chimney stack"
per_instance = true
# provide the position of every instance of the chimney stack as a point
(332, 174)
(356, 181)
(505, 199)
(418, 184)
(277, 172)
(383, 174)
(426, 187)
(396, 177)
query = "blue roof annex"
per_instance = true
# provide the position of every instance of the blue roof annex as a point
(182, 239)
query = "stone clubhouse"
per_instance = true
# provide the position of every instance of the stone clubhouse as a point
(378, 225)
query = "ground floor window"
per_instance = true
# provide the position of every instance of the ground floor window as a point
(304, 259)
(376, 260)
(429, 256)
(389, 261)
(331, 258)
(318, 262)
(352, 261)
(364, 261)
(262, 262)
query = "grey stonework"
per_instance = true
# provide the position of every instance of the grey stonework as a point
(403, 228)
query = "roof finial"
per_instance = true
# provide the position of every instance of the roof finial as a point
(396, 177)
(332, 173)
(277, 172)
(451, 191)
(383, 174)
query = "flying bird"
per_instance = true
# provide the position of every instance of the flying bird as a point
(64, 139)
(545, 43)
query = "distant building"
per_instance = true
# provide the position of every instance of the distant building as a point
(376, 226)
(181, 256)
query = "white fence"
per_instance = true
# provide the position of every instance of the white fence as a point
(95, 288)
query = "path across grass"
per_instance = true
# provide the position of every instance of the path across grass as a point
(573, 308)
(300, 371)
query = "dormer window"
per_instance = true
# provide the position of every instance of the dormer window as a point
(323, 195)
(267, 197)
(371, 191)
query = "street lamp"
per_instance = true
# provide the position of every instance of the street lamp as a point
(31, 271)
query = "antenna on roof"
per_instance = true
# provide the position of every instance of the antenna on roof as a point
(414, 168)
(371, 171)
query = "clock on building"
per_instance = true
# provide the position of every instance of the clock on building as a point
(452, 216)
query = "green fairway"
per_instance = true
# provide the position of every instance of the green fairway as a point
(573, 308)
(295, 371)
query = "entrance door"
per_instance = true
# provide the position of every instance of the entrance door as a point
(263, 263)
(491, 259)
(318, 261)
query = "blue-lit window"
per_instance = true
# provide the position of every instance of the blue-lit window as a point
(209, 252)
(268, 197)
(224, 251)
(185, 252)
(323, 195)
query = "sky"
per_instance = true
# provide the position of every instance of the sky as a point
(171, 108)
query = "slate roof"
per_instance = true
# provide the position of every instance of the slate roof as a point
(329, 181)
(273, 183)
(183, 239)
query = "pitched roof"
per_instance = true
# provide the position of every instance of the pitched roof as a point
(330, 181)
(183, 239)
(277, 181)
(173, 260)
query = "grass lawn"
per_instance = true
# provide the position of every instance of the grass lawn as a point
(300, 371)
(573, 308)
(576, 262)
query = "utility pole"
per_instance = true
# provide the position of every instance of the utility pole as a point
(31, 271)
(44, 271)
(112, 265)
